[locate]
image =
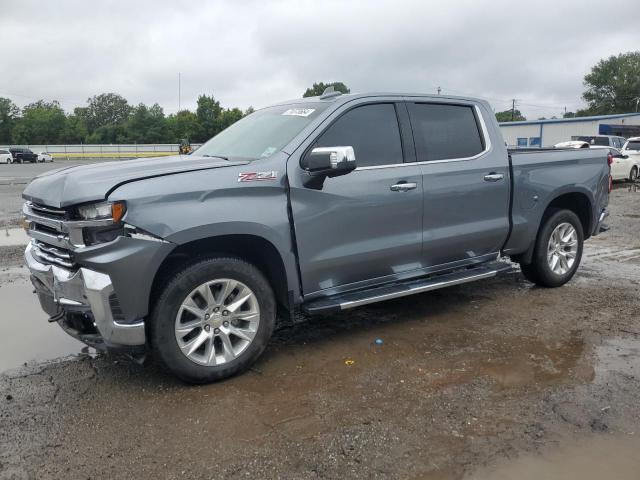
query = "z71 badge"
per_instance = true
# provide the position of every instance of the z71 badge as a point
(257, 176)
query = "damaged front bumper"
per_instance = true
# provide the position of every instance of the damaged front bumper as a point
(81, 301)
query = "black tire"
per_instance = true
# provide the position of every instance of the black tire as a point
(162, 321)
(539, 271)
(633, 176)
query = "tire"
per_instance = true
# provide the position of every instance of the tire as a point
(540, 271)
(633, 175)
(169, 312)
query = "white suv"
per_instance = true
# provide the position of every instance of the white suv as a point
(5, 156)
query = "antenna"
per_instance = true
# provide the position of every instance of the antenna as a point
(330, 92)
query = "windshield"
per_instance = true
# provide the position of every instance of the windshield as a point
(262, 133)
(634, 145)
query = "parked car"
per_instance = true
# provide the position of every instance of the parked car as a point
(632, 146)
(602, 140)
(21, 155)
(45, 157)
(5, 156)
(623, 167)
(572, 144)
(319, 204)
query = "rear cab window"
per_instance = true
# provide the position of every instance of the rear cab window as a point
(445, 131)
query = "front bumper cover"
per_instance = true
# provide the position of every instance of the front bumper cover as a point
(86, 292)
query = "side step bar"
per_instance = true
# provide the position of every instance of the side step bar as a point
(358, 298)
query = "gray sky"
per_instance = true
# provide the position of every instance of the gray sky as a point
(257, 52)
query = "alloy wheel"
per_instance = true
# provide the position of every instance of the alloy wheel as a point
(217, 322)
(562, 248)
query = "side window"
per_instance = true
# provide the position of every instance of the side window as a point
(445, 131)
(372, 131)
(522, 141)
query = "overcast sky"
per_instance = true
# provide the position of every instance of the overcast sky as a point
(257, 52)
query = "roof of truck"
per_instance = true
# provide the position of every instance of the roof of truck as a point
(345, 97)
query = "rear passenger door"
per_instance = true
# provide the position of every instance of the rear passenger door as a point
(365, 227)
(465, 181)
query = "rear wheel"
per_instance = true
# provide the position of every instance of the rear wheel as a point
(213, 320)
(558, 250)
(633, 176)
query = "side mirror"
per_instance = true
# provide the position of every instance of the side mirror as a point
(329, 161)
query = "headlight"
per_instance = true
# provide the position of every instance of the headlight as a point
(102, 211)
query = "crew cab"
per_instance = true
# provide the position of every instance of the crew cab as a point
(21, 155)
(315, 205)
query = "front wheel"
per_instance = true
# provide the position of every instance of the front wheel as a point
(633, 176)
(213, 320)
(558, 250)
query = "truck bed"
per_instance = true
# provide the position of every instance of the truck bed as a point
(538, 174)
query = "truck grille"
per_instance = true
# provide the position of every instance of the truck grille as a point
(48, 212)
(51, 255)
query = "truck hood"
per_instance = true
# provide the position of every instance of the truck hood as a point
(86, 183)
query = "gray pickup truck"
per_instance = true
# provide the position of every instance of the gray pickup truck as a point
(313, 205)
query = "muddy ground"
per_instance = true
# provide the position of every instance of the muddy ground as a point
(496, 379)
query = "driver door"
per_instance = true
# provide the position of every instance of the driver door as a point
(364, 227)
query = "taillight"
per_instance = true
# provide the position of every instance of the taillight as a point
(610, 162)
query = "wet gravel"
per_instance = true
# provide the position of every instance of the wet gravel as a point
(466, 378)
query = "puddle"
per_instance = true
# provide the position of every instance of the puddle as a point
(25, 334)
(597, 458)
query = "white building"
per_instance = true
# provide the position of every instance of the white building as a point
(546, 133)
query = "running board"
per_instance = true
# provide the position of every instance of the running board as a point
(358, 298)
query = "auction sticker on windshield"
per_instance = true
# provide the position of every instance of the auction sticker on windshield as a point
(299, 112)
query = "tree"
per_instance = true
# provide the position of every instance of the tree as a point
(113, 133)
(75, 130)
(183, 124)
(146, 125)
(507, 116)
(569, 115)
(208, 111)
(41, 122)
(318, 88)
(613, 85)
(228, 117)
(105, 109)
(9, 114)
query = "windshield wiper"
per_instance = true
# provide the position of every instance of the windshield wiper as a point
(216, 156)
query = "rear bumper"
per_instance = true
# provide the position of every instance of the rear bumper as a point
(79, 300)
(601, 226)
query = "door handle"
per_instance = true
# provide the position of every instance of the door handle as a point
(403, 187)
(493, 177)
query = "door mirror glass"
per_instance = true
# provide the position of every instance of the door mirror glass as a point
(329, 161)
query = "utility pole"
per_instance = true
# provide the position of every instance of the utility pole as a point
(637, 99)
(439, 90)
(179, 90)
(513, 109)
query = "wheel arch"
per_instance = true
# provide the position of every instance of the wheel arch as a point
(579, 202)
(255, 249)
